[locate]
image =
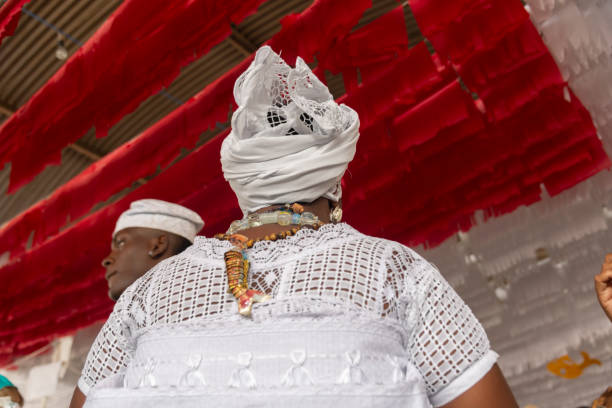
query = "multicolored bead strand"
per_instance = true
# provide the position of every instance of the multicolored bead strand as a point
(237, 269)
(237, 264)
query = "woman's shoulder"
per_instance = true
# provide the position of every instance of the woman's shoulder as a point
(392, 249)
(401, 261)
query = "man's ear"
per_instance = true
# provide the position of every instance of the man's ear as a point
(158, 246)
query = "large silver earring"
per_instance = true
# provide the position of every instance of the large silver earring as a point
(335, 215)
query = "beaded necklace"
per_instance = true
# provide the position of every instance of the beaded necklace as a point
(236, 259)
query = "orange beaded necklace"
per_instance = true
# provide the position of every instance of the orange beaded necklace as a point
(237, 263)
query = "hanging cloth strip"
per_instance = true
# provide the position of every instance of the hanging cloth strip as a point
(149, 41)
(370, 49)
(467, 27)
(9, 17)
(161, 143)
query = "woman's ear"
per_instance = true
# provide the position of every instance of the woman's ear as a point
(158, 246)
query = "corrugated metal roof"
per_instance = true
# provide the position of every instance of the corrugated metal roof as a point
(27, 61)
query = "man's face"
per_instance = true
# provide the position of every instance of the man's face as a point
(128, 260)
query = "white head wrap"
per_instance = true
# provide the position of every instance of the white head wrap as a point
(290, 140)
(161, 215)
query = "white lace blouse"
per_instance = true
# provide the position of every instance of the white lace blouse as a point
(353, 321)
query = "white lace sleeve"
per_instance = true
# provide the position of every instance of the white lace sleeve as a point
(113, 347)
(447, 344)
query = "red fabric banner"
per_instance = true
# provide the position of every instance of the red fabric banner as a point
(501, 58)
(452, 155)
(406, 81)
(358, 51)
(148, 42)
(516, 49)
(316, 28)
(158, 145)
(465, 28)
(9, 17)
(495, 167)
(444, 109)
(161, 143)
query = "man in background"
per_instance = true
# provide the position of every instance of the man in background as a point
(146, 234)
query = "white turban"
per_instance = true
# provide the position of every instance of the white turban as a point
(290, 141)
(161, 215)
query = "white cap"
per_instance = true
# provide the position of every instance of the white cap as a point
(161, 215)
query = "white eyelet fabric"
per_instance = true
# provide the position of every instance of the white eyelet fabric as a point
(354, 321)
